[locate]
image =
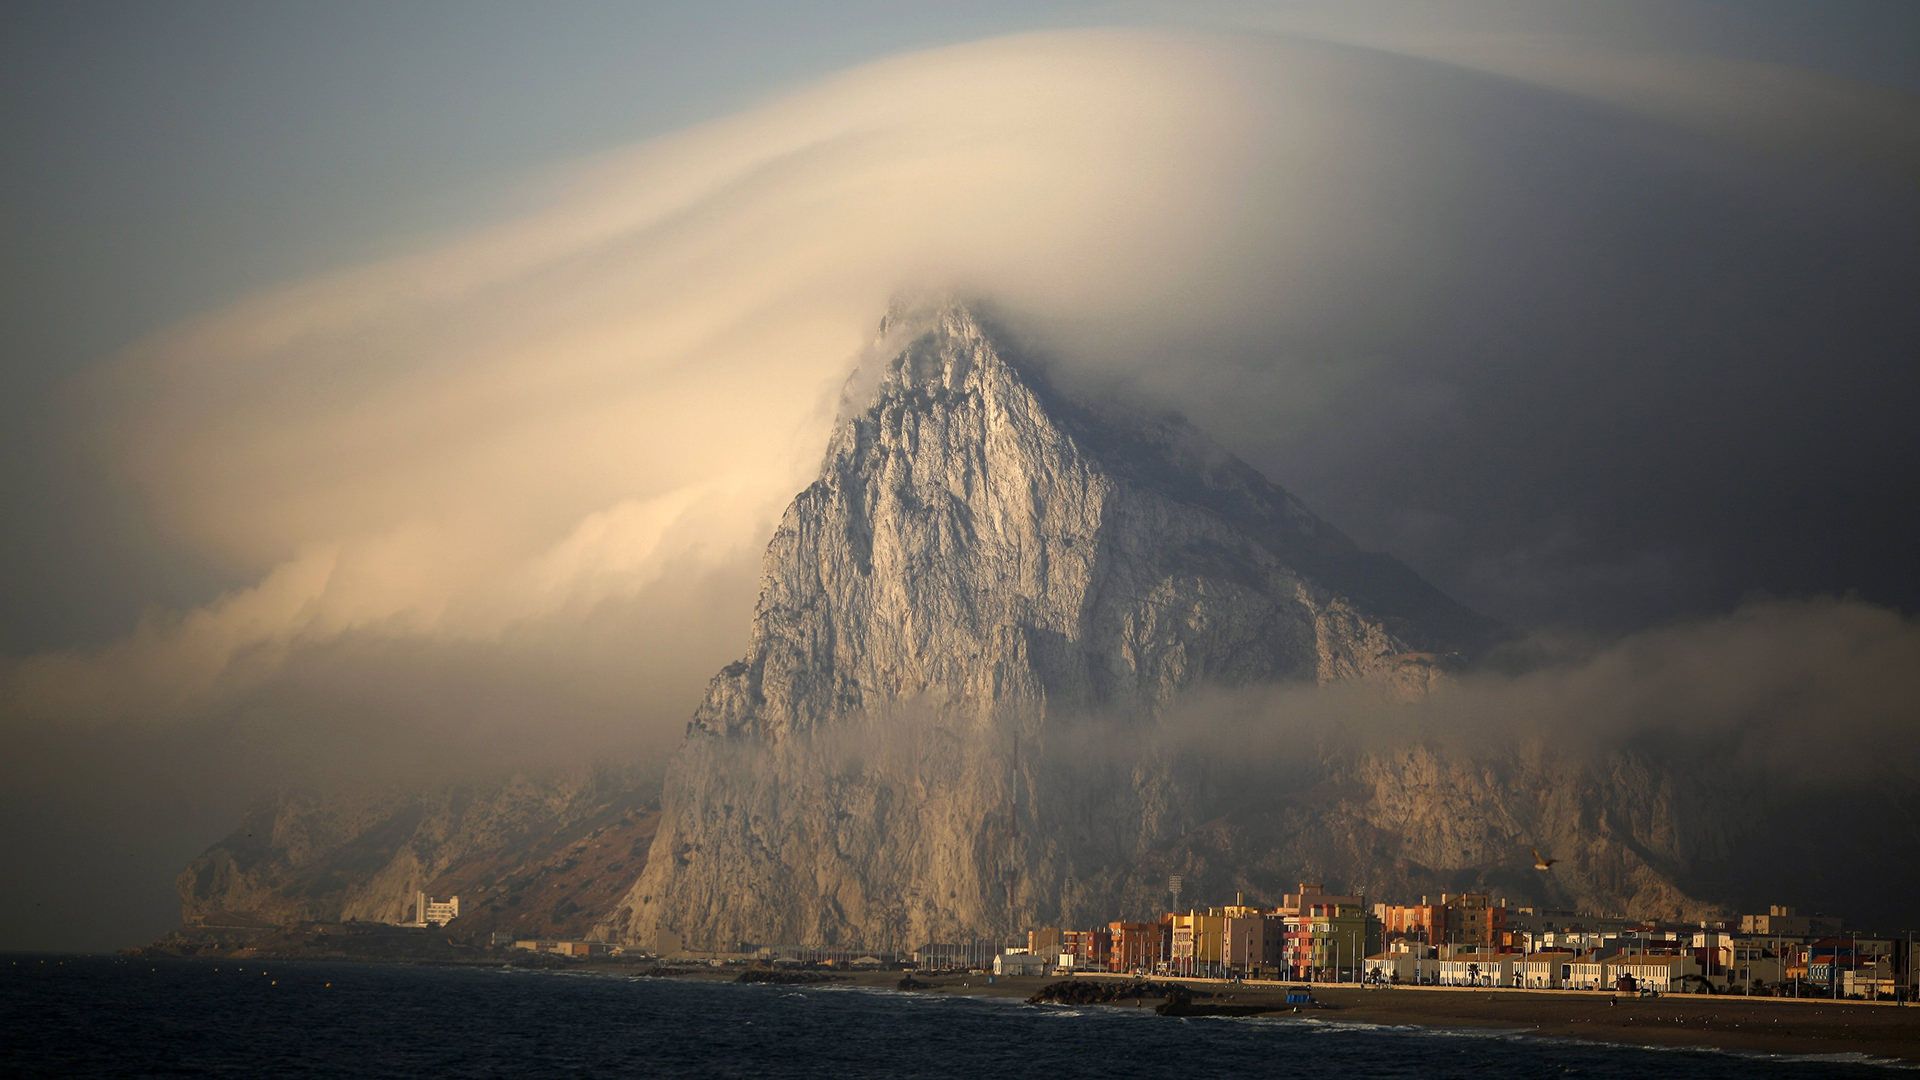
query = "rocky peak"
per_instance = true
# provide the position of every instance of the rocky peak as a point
(983, 559)
(979, 539)
(956, 713)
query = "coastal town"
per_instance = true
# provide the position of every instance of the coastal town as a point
(1313, 936)
(1478, 940)
(1775, 982)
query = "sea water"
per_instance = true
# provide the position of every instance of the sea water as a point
(109, 1015)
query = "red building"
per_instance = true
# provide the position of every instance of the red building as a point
(1089, 948)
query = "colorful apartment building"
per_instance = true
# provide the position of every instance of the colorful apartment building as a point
(1088, 949)
(1136, 946)
(1473, 919)
(1475, 939)
(1327, 936)
(1199, 943)
(1423, 922)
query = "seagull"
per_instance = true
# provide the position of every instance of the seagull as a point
(1541, 862)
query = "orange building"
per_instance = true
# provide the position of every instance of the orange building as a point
(1423, 922)
(1135, 946)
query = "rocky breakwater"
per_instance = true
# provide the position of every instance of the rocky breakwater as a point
(776, 977)
(1175, 999)
(1109, 992)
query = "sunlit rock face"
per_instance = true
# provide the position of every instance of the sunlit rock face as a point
(970, 628)
(534, 855)
(977, 540)
(1019, 655)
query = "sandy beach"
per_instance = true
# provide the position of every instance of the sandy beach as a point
(1726, 1022)
(1731, 1022)
(1723, 1022)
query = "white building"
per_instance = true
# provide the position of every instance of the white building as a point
(1663, 974)
(1388, 967)
(1020, 963)
(1545, 970)
(1465, 968)
(1578, 941)
(430, 912)
(1406, 966)
(1588, 971)
(1872, 980)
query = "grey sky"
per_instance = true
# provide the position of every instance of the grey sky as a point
(165, 158)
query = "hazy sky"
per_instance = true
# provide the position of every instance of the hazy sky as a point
(388, 378)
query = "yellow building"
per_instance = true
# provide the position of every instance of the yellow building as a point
(1199, 942)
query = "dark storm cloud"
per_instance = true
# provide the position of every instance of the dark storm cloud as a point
(1622, 370)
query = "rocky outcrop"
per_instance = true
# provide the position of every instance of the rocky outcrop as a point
(1107, 992)
(990, 684)
(539, 856)
(1627, 829)
(953, 714)
(980, 542)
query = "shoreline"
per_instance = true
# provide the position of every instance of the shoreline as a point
(1737, 1025)
(1728, 1023)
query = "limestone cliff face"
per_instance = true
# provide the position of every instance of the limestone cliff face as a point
(980, 543)
(985, 571)
(991, 684)
(1396, 822)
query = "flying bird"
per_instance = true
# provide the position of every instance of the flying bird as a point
(1541, 862)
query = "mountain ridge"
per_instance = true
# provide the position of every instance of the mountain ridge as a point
(950, 367)
(976, 696)
(982, 559)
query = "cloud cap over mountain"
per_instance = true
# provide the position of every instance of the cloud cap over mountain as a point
(1583, 348)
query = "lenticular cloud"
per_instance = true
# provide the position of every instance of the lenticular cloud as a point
(500, 442)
